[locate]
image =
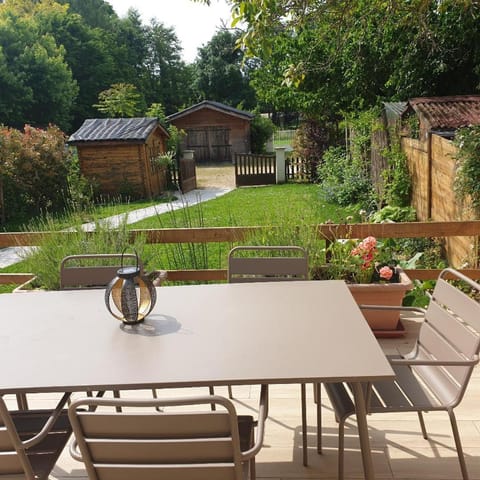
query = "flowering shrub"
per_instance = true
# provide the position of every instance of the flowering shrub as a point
(358, 262)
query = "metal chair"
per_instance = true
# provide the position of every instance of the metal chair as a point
(32, 440)
(435, 374)
(271, 264)
(178, 444)
(90, 270)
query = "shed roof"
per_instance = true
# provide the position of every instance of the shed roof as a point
(393, 111)
(219, 107)
(115, 130)
(447, 113)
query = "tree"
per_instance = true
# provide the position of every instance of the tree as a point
(222, 74)
(120, 100)
(333, 55)
(37, 84)
(166, 78)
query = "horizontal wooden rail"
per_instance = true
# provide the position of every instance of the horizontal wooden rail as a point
(237, 234)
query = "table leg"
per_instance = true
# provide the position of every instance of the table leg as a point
(361, 413)
(304, 424)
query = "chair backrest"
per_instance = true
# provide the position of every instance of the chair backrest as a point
(270, 264)
(31, 441)
(141, 443)
(91, 270)
(450, 332)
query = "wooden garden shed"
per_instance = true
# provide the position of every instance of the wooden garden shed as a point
(214, 131)
(118, 155)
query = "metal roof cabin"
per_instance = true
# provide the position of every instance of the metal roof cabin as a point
(443, 115)
(214, 131)
(118, 155)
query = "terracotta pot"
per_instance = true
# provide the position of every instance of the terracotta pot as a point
(381, 294)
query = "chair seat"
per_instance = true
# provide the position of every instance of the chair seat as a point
(44, 455)
(246, 426)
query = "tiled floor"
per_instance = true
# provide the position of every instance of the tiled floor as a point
(398, 448)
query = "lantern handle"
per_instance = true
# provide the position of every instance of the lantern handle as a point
(136, 257)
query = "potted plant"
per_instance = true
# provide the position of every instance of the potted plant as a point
(372, 277)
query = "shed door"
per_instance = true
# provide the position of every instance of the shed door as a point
(210, 144)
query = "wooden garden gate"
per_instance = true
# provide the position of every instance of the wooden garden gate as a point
(253, 169)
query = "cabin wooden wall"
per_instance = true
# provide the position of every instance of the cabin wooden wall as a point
(120, 168)
(207, 119)
(432, 169)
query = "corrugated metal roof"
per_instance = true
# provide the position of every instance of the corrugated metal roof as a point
(115, 129)
(393, 111)
(446, 113)
(214, 106)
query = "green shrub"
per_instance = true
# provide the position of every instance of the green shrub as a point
(467, 178)
(343, 180)
(34, 167)
(398, 183)
(394, 214)
(261, 130)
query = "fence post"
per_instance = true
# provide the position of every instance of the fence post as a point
(280, 164)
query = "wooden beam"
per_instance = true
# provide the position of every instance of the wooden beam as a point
(15, 278)
(235, 234)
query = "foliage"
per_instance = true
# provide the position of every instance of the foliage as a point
(343, 180)
(221, 74)
(391, 213)
(261, 130)
(330, 56)
(398, 182)
(34, 165)
(44, 261)
(35, 80)
(311, 139)
(164, 159)
(120, 100)
(467, 176)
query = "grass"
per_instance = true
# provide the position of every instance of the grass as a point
(60, 221)
(269, 205)
(287, 206)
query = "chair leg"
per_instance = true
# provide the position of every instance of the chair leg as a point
(230, 393)
(458, 445)
(318, 400)
(304, 424)
(116, 394)
(22, 402)
(341, 448)
(422, 425)
(211, 391)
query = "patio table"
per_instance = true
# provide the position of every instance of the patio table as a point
(249, 333)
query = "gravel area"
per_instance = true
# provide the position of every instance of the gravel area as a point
(216, 176)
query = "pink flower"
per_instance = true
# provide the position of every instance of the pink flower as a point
(369, 243)
(386, 273)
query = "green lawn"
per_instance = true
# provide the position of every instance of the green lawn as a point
(269, 205)
(287, 206)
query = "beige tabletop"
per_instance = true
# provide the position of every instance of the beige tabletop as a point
(284, 332)
(247, 333)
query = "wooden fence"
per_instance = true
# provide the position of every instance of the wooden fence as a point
(299, 169)
(432, 168)
(238, 234)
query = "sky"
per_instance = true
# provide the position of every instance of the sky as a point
(194, 23)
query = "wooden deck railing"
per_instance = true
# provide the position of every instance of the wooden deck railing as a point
(236, 234)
